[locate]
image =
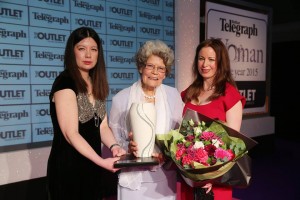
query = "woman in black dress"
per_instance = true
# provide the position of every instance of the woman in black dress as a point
(78, 113)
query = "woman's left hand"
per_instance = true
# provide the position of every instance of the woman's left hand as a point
(160, 156)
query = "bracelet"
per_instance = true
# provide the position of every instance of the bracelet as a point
(116, 144)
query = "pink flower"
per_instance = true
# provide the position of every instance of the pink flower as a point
(208, 136)
(224, 155)
(190, 138)
(186, 160)
(180, 151)
(201, 156)
(210, 149)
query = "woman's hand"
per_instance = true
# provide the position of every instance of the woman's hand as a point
(208, 187)
(108, 164)
(118, 151)
(160, 156)
(132, 145)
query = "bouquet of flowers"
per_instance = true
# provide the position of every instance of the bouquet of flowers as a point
(205, 150)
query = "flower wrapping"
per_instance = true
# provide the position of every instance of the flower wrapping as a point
(205, 150)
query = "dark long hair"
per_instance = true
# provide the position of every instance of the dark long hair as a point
(97, 74)
(222, 76)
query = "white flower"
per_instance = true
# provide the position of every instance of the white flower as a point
(198, 144)
(191, 122)
(216, 142)
(197, 130)
(202, 123)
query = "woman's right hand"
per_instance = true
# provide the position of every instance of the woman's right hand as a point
(208, 187)
(132, 145)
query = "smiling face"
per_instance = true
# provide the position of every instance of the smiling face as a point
(152, 78)
(207, 63)
(86, 53)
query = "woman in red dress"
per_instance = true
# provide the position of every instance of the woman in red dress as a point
(213, 93)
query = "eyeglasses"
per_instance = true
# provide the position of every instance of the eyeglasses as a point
(160, 69)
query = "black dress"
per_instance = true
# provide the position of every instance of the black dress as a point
(69, 174)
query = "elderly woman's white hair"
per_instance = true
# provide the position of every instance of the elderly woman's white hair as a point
(158, 48)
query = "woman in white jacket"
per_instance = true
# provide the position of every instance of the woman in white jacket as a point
(153, 60)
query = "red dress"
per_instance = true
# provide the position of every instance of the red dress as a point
(216, 109)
